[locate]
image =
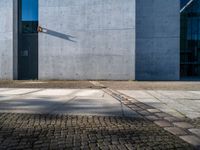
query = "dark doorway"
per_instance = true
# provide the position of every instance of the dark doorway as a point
(28, 40)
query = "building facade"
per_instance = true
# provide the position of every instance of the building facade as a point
(90, 39)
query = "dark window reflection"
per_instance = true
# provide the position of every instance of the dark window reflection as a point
(29, 26)
(190, 40)
(183, 3)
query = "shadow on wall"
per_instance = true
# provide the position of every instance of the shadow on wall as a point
(59, 35)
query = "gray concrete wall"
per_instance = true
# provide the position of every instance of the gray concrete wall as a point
(157, 39)
(6, 39)
(87, 39)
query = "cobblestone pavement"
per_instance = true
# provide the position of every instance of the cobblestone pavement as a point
(195, 122)
(26, 131)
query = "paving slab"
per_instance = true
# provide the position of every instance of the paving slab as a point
(152, 117)
(153, 110)
(163, 123)
(172, 119)
(195, 131)
(139, 94)
(152, 85)
(178, 103)
(70, 92)
(183, 125)
(95, 106)
(47, 84)
(30, 104)
(178, 94)
(17, 91)
(62, 101)
(175, 130)
(192, 140)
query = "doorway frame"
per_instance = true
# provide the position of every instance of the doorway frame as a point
(15, 38)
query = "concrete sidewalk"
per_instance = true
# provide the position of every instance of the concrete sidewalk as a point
(178, 103)
(61, 101)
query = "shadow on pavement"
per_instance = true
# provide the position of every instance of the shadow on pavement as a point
(28, 131)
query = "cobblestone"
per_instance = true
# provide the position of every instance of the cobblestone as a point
(28, 131)
(195, 122)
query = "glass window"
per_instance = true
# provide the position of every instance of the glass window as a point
(184, 2)
(190, 40)
(29, 14)
(29, 10)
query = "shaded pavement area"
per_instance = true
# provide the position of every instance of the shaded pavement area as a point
(28, 131)
(61, 101)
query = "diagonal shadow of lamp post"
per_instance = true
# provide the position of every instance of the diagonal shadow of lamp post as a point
(56, 34)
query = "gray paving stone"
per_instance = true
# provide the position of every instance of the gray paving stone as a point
(152, 117)
(144, 112)
(175, 130)
(153, 110)
(162, 115)
(184, 125)
(179, 103)
(163, 123)
(172, 119)
(191, 139)
(195, 131)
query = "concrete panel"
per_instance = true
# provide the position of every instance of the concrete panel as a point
(157, 40)
(87, 39)
(6, 39)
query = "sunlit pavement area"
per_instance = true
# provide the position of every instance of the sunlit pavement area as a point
(177, 103)
(64, 116)
(180, 99)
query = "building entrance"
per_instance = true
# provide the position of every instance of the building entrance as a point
(28, 40)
